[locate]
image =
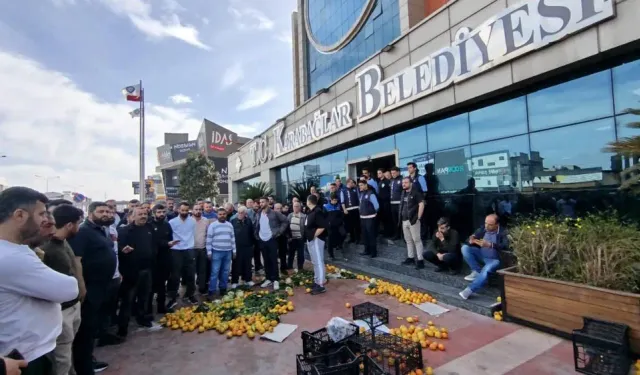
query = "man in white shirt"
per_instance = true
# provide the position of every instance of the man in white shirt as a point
(30, 292)
(182, 257)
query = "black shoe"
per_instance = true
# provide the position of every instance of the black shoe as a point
(373, 255)
(420, 264)
(110, 339)
(440, 269)
(100, 366)
(172, 303)
(364, 253)
(408, 262)
(146, 323)
(318, 290)
(223, 292)
(454, 271)
(193, 300)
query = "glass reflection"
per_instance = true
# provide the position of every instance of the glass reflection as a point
(382, 27)
(372, 148)
(499, 120)
(582, 99)
(501, 165)
(626, 86)
(572, 157)
(338, 161)
(412, 142)
(448, 133)
(452, 170)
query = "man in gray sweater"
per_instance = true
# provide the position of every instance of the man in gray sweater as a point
(296, 236)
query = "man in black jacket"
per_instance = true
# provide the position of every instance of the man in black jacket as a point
(411, 211)
(315, 233)
(162, 265)
(384, 198)
(245, 242)
(444, 248)
(136, 252)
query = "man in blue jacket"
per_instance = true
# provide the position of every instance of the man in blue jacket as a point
(483, 246)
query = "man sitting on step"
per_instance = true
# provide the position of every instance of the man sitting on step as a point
(444, 248)
(483, 246)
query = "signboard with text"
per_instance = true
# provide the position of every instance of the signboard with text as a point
(180, 151)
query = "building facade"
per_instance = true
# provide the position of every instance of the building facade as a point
(495, 101)
(213, 140)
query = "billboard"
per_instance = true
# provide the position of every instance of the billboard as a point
(180, 151)
(164, 155)
(222, 168)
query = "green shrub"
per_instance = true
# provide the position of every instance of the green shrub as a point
(597, 250)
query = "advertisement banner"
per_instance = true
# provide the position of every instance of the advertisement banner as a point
(451, 169)
(164, 155)
(180, 151)
(222, 167)
(171, 192)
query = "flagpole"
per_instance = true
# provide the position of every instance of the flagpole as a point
(142, 176)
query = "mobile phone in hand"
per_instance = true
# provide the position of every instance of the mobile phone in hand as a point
(15, 355)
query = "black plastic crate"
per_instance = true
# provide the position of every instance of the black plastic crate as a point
(319, 342)
(372, 314)
(370, 367)
(394, 355)
(601, 348)
(341, 361)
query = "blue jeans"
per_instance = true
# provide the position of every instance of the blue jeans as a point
(220, 266)
(473, 255)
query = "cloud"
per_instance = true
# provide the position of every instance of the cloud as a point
(285, 37)
(139, 13)
(50, 127)
(232, 75)
(257, 98)
(180, 99)
(248, 18)
(248, 130)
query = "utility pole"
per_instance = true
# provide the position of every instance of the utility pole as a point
(47, 179)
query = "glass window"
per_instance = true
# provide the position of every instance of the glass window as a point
(330, 20)
(338, 161)
(421, 161)
(378, 146)
(572, 156)
(448, 133)
(412, 142)
(582, 99)
(501, 165)
(293, 173)
(626, 86)
(452, 169)
(499, 120)
(324, 164)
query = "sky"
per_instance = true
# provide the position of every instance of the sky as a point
(63, 64)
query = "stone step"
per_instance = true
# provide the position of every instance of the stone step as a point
(478, 303)
(390, 257)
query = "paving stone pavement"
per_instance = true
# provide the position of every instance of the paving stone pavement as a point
(477, 345)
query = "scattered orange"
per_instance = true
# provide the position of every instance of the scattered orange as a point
(347, 305)
(433, 346)
(441, 347)
(445, 335)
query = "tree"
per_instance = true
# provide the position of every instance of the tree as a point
(198, 179)
(629, 147)
(301, 190)
(255, 191)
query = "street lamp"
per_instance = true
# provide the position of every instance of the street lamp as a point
(47, 179)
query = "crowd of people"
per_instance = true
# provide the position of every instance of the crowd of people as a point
(70, 282)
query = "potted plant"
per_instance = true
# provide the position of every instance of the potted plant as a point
(568, 269)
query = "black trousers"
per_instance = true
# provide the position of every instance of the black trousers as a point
(84, 342)
(109, 311)
(385, 217)
(334, 239)
(161, 274)
(203, 270)
(353, 225)
(395, 212)
(183, 265)
(135, 293)
(241, 265)
(370, 236)
(449, 261)
(257, 257)
(270, 255)
(296, 248)
(43, 365)
(282, 253)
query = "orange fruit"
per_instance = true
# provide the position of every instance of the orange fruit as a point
(441, 347)
(445, 335)
(433, 346)
(347, 305)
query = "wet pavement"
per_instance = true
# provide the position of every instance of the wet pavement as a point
(477, 344)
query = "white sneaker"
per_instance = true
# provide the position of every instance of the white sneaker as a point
(250, 284)
(466, 293)
(472, 276)
(265, 284)
(233, 286)
(276, 285)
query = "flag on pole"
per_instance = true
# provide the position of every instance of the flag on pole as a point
(132, 93)
(135, 113)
